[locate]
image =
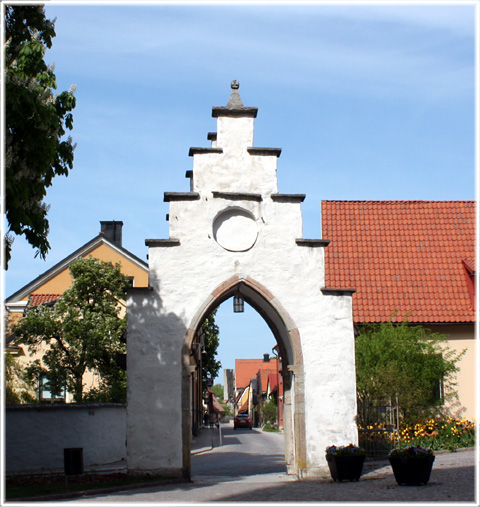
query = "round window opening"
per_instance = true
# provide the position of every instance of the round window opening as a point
(235, 230)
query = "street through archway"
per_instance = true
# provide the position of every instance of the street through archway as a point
(243, 453)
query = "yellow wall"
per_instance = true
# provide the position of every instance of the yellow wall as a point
(60, 282)
(462, 337)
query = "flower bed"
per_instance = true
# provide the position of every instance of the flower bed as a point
(439, 434)
(435, 433)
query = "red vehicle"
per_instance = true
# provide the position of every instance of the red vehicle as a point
(242, 421)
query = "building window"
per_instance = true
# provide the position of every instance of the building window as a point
(44, 393)
(438, 391)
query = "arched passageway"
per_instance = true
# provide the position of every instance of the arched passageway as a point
(288, 341)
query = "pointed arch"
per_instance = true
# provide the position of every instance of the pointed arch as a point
(287, 336)
(265, 303)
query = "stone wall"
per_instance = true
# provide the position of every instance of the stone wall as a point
(35, 436)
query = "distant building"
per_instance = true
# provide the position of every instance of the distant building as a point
(228, 385)
(255, 380)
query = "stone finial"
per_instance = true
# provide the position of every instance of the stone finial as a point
(235, 102)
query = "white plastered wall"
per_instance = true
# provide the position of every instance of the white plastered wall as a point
(187, 270)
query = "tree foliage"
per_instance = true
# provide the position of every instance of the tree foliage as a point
(36, 122)
(217, 390)
(81, 331)
(211, 366)
(404, 360)
(270, 411)
(18, 387)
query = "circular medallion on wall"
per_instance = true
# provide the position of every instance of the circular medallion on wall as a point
(235, 229)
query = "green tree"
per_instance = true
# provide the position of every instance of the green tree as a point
(211, 366)
(218, 391)
(81, 331)
(36, 122)
(405, 360)
(269, 411)
(18, 387)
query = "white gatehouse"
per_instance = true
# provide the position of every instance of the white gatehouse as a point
(235, 234)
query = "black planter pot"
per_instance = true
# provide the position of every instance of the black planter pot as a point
(412, 470)
(345, 468)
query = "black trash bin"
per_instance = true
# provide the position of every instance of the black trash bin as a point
(73, 460)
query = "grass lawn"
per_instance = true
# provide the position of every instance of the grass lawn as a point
(32, 486)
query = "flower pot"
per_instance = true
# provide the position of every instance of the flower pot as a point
(345, 468)
(412, 470)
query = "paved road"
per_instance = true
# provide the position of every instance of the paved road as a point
(243, 453)
(249, 467)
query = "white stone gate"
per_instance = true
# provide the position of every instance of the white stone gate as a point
(234, 233)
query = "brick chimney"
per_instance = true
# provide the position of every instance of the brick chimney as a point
(112, 230)
(266, 358)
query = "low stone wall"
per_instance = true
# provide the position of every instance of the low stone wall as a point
(36, 435)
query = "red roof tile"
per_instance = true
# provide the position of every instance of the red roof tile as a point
(246, 369)
(273, 380)
(41, 299)
(265, 373)
(403, 256)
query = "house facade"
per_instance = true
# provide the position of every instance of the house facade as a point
(49, 286)
(255, 381)
(411, 260)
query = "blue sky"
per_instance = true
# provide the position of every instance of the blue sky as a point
(367, 101)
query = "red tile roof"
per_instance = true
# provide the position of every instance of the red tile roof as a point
(41, 299)
(264, 375)
(273, 381)
(246, 369)
(404, 256)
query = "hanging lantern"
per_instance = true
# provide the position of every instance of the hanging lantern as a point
(238, 304)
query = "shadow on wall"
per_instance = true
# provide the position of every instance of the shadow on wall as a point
(154, 384)
(151, 331)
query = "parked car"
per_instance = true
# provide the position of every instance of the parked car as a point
(242, 421)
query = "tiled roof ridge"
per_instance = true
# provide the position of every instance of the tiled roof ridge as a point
(45, 294)
(394, 201)
(37, 299)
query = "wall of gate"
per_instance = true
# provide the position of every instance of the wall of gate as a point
(36, 435)
(233, 234)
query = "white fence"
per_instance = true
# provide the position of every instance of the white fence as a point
(36, 435)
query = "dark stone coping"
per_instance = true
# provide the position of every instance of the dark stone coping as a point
(40, 407)
(189, 174)
(180, 196)
(265, 151)
(237, 196)
(243, 112)
(140, 289)
(337, 292)
(162, 242)
(212, 136)
(312, 242)
(288, 197)
(202, 151)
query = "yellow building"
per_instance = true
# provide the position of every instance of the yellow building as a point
(49, 286)
(411, 260)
